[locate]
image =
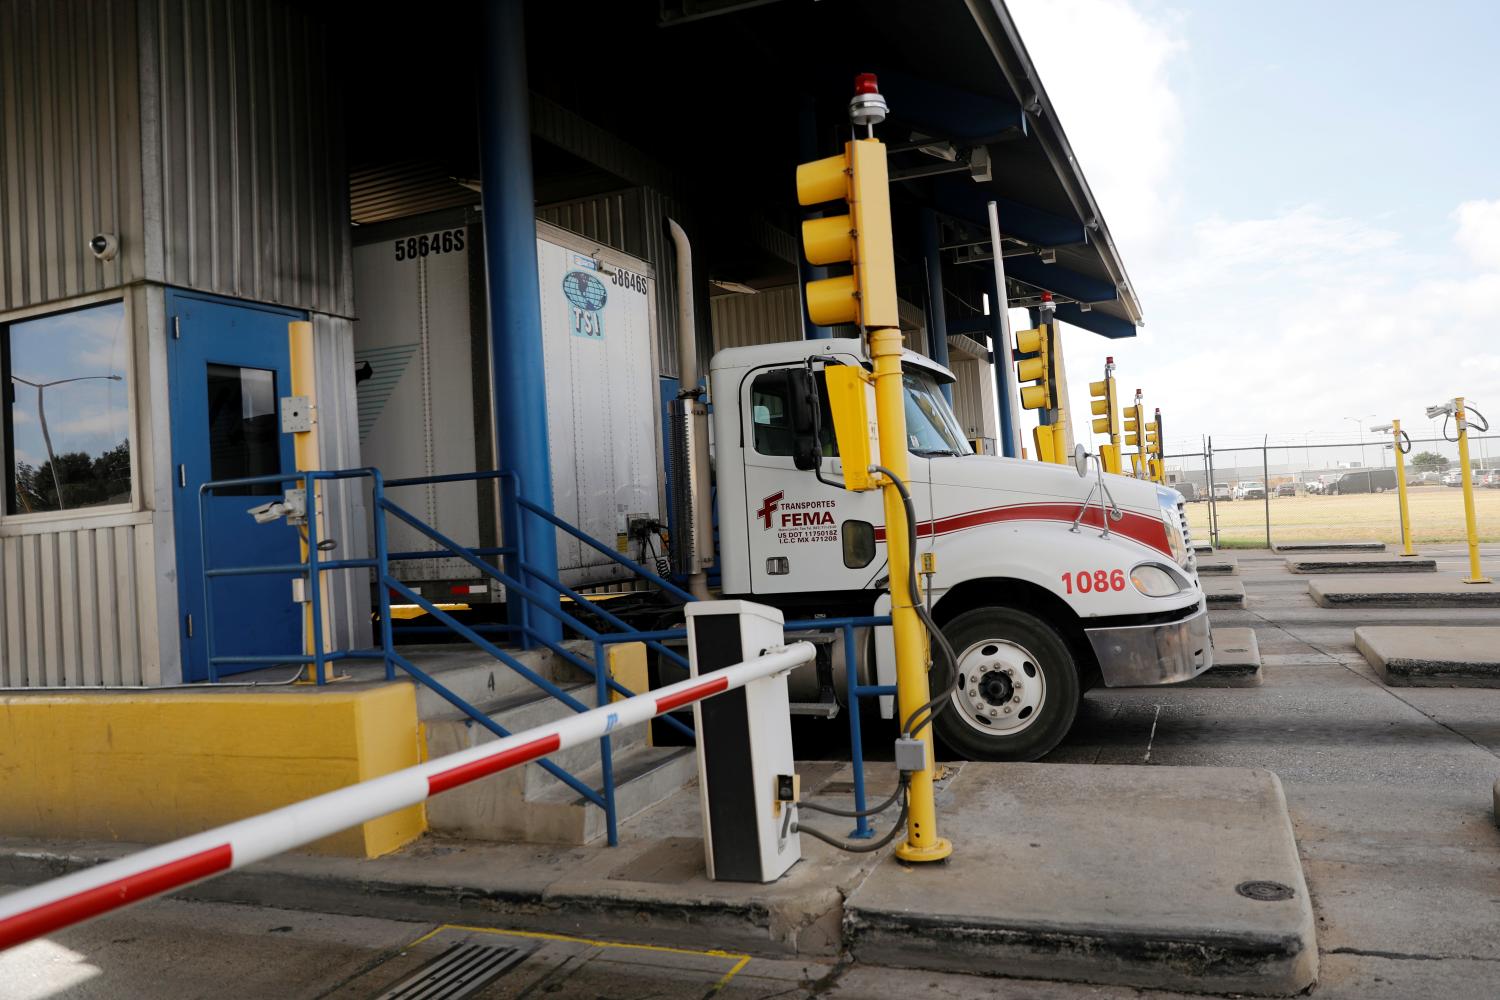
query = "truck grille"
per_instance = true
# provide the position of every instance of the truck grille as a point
(1187, 538)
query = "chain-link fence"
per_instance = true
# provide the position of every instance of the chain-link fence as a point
(1243, 495)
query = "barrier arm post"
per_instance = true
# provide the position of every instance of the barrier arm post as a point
(39, 910)
(1470, 522)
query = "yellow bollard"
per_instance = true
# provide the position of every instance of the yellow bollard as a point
(305, 445)
(1475, 576)
(1398, 436)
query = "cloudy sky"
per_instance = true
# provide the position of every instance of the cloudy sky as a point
(1306, 196)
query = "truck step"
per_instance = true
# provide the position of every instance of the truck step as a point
(820, 709)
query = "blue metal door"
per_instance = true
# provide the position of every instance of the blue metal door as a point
(230, 366)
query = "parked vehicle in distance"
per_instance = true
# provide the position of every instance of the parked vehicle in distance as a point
(1189, 491)
(1250, 490)
(1313, 487)
(1286, 490)
(1489, 479)
(1222, 492)
(1454, 478)
(1364, 481)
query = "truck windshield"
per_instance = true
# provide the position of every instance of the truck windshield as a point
(931, 427)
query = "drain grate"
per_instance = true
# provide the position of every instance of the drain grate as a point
(457, 972)
(1265, 891)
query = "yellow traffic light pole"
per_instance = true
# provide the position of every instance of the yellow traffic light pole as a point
(868, 297)
(1106, 416)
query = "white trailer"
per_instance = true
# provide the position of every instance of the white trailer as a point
(427, 408)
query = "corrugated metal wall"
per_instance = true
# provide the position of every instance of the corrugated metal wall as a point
(767, 317)
(77, 599)
(70, 156)
(774, 315)
(244, 160)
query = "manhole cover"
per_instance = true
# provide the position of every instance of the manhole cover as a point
(1263, 890)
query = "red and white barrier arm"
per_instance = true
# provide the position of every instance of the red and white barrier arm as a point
(62, 902)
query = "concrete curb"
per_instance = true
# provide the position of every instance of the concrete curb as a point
(1101, 919)
(1432, 656)
(1236, 661)
(1359, 546)
(1361, 564)
(1407, 590)
(1223, 592)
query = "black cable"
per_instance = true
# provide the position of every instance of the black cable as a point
(941, 701)
(898, 827)
(1471, 408)
(858, 813)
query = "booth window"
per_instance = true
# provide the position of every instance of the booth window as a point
(67, 410)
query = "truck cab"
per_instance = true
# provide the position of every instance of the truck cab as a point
(1045, 582)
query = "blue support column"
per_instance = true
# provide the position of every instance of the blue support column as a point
(514, 300)
(937, 310)
(807, 145)
(1002, 387)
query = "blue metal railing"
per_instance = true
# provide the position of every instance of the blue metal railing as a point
(523, 601)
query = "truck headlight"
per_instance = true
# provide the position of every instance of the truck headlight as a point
(1173, 528)
(1156, 581)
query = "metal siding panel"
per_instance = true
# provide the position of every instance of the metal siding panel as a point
(104, 583)
(11, 628)
(68, 106)
(771, 316)
(255, 200)
(89, 669)
(50, 638)
(338, 443)
(145, 588)
(124, 583)
(31, 652)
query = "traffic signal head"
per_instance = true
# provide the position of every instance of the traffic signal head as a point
(1036, 369)
(1106, 419)
(1133, 426)
(861, 237)
(1153, 441)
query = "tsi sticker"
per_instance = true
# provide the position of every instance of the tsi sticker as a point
(798, 521)
(587, 295)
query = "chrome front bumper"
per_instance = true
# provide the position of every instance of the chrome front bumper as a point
(1140, 655)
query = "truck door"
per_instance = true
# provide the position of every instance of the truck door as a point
(806, 536)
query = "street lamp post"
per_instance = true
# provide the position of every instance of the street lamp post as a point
(1360, 429)
(41, 414)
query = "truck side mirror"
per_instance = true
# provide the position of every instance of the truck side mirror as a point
(802, 412)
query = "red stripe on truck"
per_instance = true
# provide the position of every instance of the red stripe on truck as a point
(465, 773)
(695, 693)
(112, 895)
(1148, 531)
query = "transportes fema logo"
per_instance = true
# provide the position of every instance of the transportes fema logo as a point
(586, 295)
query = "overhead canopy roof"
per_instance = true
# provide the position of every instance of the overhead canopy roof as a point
(716, 101)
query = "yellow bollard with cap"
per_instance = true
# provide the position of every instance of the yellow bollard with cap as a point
(1400, 445)
(1454, 409)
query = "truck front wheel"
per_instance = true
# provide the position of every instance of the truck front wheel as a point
(1018, 686)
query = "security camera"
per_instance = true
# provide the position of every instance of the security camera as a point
(1381, 429)
(1433, 412)
(105, 246)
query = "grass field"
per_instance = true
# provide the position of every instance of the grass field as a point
(1437, 515)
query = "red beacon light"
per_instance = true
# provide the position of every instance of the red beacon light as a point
(867, 107)
(1109, 360)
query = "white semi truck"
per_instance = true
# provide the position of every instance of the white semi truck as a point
(1045, 583)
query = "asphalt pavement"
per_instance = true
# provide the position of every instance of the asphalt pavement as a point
(1389, 792)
